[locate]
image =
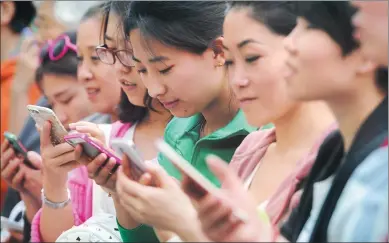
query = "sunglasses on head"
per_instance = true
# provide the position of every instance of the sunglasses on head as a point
(57, 49)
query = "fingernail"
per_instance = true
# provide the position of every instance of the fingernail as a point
(72, 125)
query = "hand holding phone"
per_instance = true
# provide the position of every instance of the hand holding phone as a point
(199, 185)
(136, 168)
(18, 147)
(41, 115)
(90, 147)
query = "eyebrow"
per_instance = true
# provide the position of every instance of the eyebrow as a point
(152, 60)
(158, 59)
(246, 42)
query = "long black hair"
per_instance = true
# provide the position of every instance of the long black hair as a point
(190, 26)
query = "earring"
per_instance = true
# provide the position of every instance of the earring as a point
(220, 64)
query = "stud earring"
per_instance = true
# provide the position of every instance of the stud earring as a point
(220, 64)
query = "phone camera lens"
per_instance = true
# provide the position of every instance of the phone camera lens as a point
(35, 111)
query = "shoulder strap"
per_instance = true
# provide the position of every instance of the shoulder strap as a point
(374, 131)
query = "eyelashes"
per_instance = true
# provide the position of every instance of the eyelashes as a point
(163, 72)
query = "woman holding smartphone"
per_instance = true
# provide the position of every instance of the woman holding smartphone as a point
(140, 119)
(338, 73)
(184, 70)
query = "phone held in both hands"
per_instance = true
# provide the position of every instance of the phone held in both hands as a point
(199, 185)
(136, 168)
(18, 147)
(41, 115)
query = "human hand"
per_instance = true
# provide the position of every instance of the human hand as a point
(10, 163)
(28, 62)
(218, 214)
(57, 160)
(163, 206)
(92, 129)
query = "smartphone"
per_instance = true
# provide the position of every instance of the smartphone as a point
(199, 185)
(18, 147)
(11, 225)
(41, 115)
(137, 167)
(16, 144)
(90, 147)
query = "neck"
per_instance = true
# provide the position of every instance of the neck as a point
(302, 126)
(351, 111)
(221, 111)
(9, 42)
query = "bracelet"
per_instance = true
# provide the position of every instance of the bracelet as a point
(55, 205)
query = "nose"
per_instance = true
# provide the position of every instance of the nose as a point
(238, 77)
(155, 87)
(61, 114)
(84, 74)
(289, 44)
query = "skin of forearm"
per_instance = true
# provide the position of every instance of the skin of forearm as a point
(54, 221)
(19, 101)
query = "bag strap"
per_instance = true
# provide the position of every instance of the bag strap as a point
(370, 137)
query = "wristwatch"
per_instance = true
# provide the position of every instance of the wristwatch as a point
(55, 205)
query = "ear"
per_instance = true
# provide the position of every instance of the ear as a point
(367, 66)
(217, 48)
(7, 12)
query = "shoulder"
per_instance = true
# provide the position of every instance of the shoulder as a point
(255, 141)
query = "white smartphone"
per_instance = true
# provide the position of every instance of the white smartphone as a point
(8, 224)
(137, 167)
(40, 115)
(201, 185)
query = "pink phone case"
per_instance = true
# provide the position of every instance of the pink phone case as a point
(90, 147)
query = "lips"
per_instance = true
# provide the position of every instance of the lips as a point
(245, 101)
(127, 85)
(171, 104)
(92, 92)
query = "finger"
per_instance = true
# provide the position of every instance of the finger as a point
(78, 152)
(5, 145)
(206, 204)
(160, 177)
(95, 165)
(218, 217)
(45, 135)
(59, 150)
(129, 186)
(6, 157)
(221, 170)
(105, 172)
(63, 159)
(81, 123)
(26, 44)
(17, 180)
(9, 172)
(145, 179)
(35, 159)
(70, 165)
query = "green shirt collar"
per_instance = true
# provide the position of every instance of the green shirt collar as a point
(237, 125)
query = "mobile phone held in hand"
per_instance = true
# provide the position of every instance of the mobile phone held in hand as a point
(41, 115)
(18, 147)
(136, 168)
(199, 185)
(89, 147)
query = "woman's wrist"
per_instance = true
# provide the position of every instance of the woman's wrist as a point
(55, 192)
